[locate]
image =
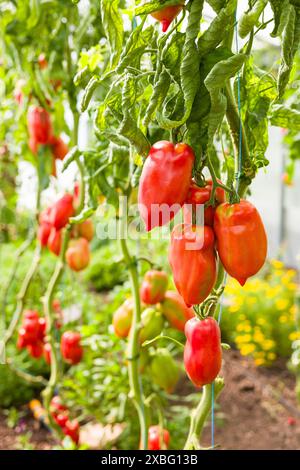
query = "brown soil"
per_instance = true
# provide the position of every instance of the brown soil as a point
(258, 410)
(258, 407)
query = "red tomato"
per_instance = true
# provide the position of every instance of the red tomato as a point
(241, 239)
(158, 438)
(61, 211)
(192, 259)
(39, 124)
(164, 182)
(55, 241)
(59, 148)
(71, 349)
(166, 15)
(202, 352)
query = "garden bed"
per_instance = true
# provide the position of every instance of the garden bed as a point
(258, 410)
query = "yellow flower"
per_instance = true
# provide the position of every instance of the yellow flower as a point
(259, 362)
(247, 349)
(251, 300)
(268, 344)
(247, 328)
(295, 335)
(234, 308)
(293, 310)
(283, 319)
(259, 354)
(261, 321)
(282, 304)
(243, 338)
(242, 317)
(277, 264)
(258, 337)
(271, 356)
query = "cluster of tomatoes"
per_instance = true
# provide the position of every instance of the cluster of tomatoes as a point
(54, 219)
(158, 305)
(168, 305)
(60, 414)
(39, 124)
(32, 336)
(232, 233)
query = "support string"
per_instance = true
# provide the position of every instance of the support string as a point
(237, 177)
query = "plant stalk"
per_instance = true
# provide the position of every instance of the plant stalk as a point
(133, 342)
(200, 414)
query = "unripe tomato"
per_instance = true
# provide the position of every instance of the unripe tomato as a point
(78, 254)
(158, 438)
(59, 148)
(202, 352)
(164, 370)
(192, 259)
(36, 349)
(55, 241)
(122, 318)
(71, 349)
(166, 15)
(86, 230)
(71, 429)
(175, 310)
(164, 182)
(61, 211)
(241, 239)
(152, 323)
(39, 124)
(154, 286)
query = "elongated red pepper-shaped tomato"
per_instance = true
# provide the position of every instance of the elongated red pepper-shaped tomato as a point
(165, 182)
(192, 259)
(241, 239)
(202, 351)
(166, 15)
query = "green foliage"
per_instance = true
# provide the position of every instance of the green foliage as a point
(258, 91)
(105, 270)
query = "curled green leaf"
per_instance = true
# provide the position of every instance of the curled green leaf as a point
(250, 18)
(88, 93)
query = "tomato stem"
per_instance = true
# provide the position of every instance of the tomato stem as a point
(200, 414)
